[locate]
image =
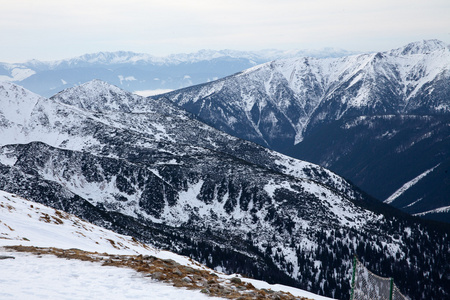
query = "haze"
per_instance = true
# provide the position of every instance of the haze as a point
(54, 29)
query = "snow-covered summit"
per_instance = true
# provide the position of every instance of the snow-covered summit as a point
(98, 58)
(420, 47)
(118, 57)
(100, 96)
(17, 103)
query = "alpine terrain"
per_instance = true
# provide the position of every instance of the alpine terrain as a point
(382, 120)
(148, 169)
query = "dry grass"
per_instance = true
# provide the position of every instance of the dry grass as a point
(169, 271)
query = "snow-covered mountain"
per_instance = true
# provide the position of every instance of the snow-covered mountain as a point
(141, 72)
(379, 119)
(148, 169)
(31, 227)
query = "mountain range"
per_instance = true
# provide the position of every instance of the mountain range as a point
(146, 168)
(141, 72)
(381, 120)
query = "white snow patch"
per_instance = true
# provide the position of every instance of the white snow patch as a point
(411, 204)
(408, 185)
(47, 277)
(7, 158)
(271, 187)
(408, 231)
(17, 74)
(278, 287)
(444, 209)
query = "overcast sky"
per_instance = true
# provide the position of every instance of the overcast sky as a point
(57, 29)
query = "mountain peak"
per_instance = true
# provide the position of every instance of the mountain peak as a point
(100, 96)
(8, 89)
(16, 102)
(115, 57)
(97, 87)
(421, 47)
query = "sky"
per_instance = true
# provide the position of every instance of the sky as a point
(58, 29)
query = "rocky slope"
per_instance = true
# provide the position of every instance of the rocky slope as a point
(367, 117)
(146, 168)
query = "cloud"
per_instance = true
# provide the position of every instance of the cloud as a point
(68, 28)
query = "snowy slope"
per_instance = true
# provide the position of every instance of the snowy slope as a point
(47, 277)
(27, 223)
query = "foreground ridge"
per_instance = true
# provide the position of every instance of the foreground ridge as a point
(169, 271)
(35, 237)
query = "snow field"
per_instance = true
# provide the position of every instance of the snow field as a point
(47, 277)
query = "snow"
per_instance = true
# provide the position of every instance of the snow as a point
(300, 169)
(47, 277)
(444, 209)
(17, 73)
(411, 204)
(278, 287)
(7, 157)
(17, 103)
(345, 215)
(23, 222)
(408, 185)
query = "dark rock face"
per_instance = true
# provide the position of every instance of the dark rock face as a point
(422, 142)
(305, 107)
(155, 173)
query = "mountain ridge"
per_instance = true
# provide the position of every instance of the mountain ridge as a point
(141, 72)
(280, 104)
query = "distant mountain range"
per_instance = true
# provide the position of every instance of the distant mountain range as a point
(382, 120)
(146, 168)
(143, 72)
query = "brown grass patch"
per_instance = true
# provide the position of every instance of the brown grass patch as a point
(168, 271)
